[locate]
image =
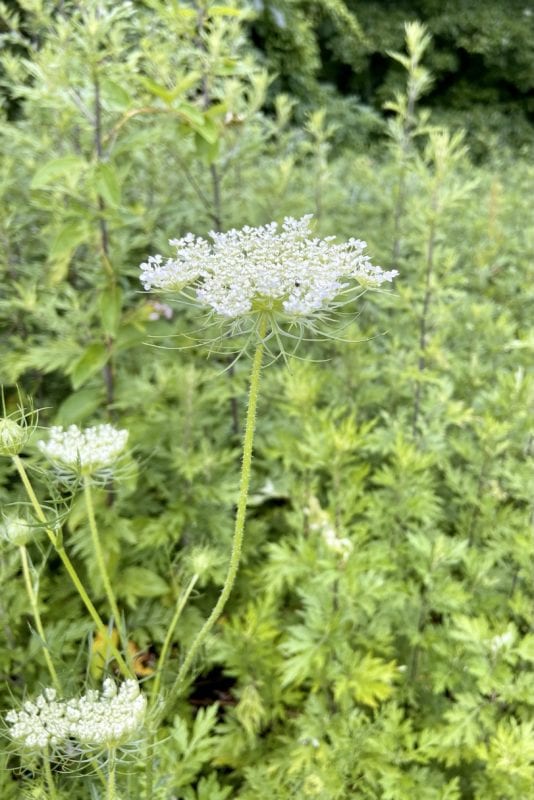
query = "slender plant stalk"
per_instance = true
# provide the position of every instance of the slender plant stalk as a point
(108, 370)
(50, 785)
(67, 563)
(400, 189)
(149, 772)
(214, 206)
(237, 542)
(168, 638)
(112, 761)
(424, 321)
(110, 594)
(32, 596)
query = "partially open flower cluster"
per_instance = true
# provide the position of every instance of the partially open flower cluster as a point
(14, 433)
(108, 718)
(86, 451)
(15, 530)
(261, 269)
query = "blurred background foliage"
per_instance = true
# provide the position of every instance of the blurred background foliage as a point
(379, 643)
(337, 53)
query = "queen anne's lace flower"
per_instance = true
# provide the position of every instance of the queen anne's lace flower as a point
(88, 451)
(40, 724)
(109, 718)
(261, 269)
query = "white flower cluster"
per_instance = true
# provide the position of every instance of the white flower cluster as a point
(88, 450)
(263, 269)
(97, 719)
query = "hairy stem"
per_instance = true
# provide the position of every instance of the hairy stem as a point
(67, 563)
(50, 785)
(239, 528)
(112, 761)
(32, 596)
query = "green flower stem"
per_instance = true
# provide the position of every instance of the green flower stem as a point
(168, 638)
(32, 596)
(110, 594)
(67, 563)
(98, 772)
(110, 794)
(237, 543)
(50, 785)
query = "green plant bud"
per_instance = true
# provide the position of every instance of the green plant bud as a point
(13, 437)
(203, 560)
(16, 530)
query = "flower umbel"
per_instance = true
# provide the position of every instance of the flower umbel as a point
(87, 452)
(41, 723)
(264, 270)
(109, 718)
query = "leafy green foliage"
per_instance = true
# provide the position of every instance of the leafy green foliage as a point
(378, 643)
(481, 59)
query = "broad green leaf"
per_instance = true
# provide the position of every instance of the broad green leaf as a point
(58, 269)
(92, 360)
(191, 114)
(216, 110)
(134, 582)
(167, 95)
(209, 131)
(110, 309)
(107, 183)
(129, 336)
(224, 11)
(115, 93)
(69, 167)
(67, 238)
(78, 406)
(206, 151)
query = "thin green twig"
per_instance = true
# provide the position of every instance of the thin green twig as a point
(34, 603)
(67, 563)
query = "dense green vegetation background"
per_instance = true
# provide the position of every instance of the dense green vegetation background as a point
(380, 641)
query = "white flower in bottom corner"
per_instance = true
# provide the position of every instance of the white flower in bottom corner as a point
(109, 718)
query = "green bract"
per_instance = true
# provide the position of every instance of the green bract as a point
(13, 437)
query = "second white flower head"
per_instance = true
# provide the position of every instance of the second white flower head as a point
(111, 717)
(88, 451)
